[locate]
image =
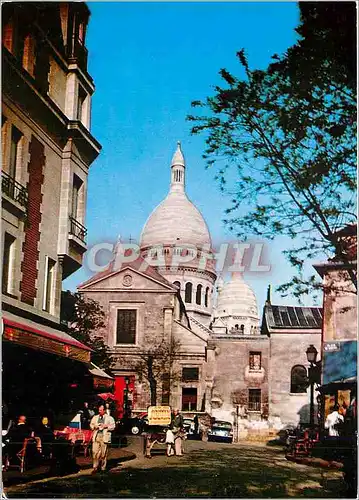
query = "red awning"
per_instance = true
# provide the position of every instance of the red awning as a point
(44, 338)
(106, 395)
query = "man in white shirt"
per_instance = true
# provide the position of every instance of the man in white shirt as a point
(102, 425)
(333, 420)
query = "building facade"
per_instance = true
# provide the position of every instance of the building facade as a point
(168, 293)
(340, 325)
(176, 228)
(291, 330)
(47, 149)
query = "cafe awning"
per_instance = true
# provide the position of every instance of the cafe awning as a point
(30, 334)
(101, 379)
(106, 395)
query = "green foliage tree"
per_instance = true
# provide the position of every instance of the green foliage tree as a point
(84, 317)
(156, 364)
(290, 133)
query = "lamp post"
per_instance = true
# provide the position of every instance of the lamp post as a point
(311, 353)
(127, 381)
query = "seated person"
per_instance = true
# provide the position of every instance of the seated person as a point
(46, 435)
(20, 431)
(17, 435)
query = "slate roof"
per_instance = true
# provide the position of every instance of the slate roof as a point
(292, 317)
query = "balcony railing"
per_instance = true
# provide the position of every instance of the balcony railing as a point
(254, 405)
(78, 230)
(14, 190)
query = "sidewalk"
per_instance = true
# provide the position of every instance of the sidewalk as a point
(13, 477)
(316, 462)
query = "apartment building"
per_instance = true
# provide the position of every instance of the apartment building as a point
(47, 150)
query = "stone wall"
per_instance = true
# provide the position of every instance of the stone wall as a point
(231, 377)
(158, 318)
(286, 351)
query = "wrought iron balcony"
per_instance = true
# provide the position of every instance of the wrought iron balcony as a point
(14, 190)
(78, 230)
(254, 406)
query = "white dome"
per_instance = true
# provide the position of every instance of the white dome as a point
(236, 298)
(176, 220)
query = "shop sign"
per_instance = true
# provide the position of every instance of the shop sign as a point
(331, 346)
(159, 415)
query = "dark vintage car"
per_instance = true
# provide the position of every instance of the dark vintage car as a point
(135, 425)
(221, 431)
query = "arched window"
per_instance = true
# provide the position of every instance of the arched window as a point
(177, 284)
(236, 327)
(298, 379)
(188, 293)
(242, 328)
(199, 295)
(206, 297)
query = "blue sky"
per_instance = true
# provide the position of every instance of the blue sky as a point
(149, 61)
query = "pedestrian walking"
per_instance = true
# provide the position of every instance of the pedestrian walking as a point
(204, 426)
(334, 421)
(170, 441)
(196, 424)
(102, 425)
(178, 431)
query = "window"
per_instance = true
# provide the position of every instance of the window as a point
(177, 284)
(126, 326)
(298, 379)
(166, 389)
(7, 35)
(206, 297)
(188, 293)
(49, 284)
(190, 374)
(81, 35)
(242, 329)
(8, 260)
(80, 102)
(11, 38)
(14, 151)
(255, 360)
(199, 294)
(189, 399)
(76, 187)
(28, 57)
(254, 400)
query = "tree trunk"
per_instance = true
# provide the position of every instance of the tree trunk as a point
(152, 381)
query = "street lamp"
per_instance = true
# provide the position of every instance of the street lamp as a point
(311, 353)
(127, 381)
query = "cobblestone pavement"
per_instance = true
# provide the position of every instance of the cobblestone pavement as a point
(206, 470)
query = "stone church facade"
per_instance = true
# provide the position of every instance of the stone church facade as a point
(168, 292)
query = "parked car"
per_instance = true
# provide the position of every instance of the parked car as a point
(221, 431)
(135, 425)
(188, 425)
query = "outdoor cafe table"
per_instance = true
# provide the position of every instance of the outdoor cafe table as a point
(75, 435)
